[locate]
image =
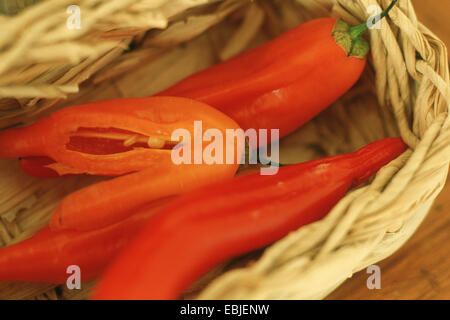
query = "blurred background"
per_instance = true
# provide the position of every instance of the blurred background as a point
(421, 268)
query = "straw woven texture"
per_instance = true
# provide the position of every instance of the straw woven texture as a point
(136, 48)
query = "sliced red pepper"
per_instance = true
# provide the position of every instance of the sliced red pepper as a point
(112, 137)
(118, 137)
(205, 227)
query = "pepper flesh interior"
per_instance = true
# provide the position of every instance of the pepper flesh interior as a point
(104, 141)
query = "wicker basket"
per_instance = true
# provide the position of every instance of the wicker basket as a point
(130, 48)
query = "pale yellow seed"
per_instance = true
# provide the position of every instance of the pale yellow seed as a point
(130, 141)
(154, 142)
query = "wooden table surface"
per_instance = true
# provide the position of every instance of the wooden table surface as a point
(421, 268)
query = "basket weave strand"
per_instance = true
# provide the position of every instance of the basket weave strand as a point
(136, 48)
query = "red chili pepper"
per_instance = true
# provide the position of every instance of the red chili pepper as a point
(109, 138)
(108, 202)
(201, 229)
(118, 137)
(46, 256)
(285, 82)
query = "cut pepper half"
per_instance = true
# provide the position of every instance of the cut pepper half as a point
(109, 138)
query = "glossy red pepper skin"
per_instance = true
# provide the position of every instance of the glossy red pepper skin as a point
(280, 85)
(203, 228)
(90, 139)
(46, 256)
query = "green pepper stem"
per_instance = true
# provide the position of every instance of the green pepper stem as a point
(357, 31)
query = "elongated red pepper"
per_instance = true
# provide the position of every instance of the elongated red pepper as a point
(285, 82)
(201, 229)
(118, 137)
(109, 138)
(108, 202)
(46, 256)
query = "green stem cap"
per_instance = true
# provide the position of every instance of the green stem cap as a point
(351, 39)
